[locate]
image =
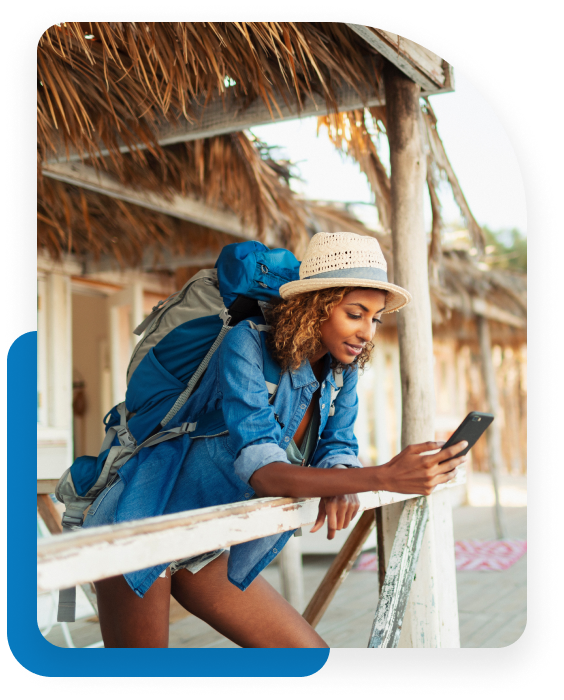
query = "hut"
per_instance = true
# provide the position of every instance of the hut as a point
(145, 171)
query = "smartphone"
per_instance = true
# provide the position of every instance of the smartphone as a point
(470, 430)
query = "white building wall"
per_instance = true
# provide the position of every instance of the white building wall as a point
(54, 428)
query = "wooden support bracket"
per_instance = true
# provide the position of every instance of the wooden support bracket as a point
(339, 569)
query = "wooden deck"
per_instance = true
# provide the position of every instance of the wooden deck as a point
(492, 606)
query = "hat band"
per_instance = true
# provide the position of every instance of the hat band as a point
(365, 273)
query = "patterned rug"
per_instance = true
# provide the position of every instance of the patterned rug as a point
(488, 555)
(470, 555)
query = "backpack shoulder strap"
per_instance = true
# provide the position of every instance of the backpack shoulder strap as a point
(271, 369)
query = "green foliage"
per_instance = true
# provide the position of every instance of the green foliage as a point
(506, 248)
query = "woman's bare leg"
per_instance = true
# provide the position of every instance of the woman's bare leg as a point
(128, 621)
(257, 617)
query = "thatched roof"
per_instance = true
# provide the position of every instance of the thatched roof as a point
(105, 89)
(103, 85)
(100, 81)
(230, 172)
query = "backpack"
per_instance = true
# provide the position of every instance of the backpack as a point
(178, 341)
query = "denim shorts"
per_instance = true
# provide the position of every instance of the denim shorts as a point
(102, 512)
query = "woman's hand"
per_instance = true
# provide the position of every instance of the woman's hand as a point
(413, 472)
(339, 511)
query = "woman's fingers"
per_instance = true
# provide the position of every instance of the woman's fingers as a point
(339, 511)
(349, 515)
(440, 456)
(445, 478)
(331, 509)
(424, 447)
(448, 466)
(352, 510)
(320, 516)
(451, 451)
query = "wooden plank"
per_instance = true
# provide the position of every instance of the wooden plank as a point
(424, 67)
(186, 208)
(153, 261)
(46, 485)
(399, 575)
(483, 308)
(339, 569)
(49, 513)
(97, 553)
(229, 113)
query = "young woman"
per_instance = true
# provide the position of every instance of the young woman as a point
(324, 325)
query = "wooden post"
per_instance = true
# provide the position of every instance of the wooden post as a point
(431, 618)
(291, 573)
(494, 433)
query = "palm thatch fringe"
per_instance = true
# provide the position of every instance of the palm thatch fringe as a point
(127, 75)
(348, 131)
(103, 226)
(232, 172)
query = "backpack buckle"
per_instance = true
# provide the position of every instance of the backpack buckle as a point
(70, 521)
(125, 437)
(225, 316)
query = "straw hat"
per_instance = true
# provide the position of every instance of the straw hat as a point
(345, 260)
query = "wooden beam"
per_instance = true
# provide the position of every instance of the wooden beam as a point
(187, 208)
(483, 308)
(425, 68)
(93, 554)
(230, 113)
(153, 262)
(46, 486)
(480, 307)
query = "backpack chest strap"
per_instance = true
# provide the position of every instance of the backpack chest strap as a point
(272, 371)
(338, 377)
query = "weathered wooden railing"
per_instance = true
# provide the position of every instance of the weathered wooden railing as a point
(93, 554)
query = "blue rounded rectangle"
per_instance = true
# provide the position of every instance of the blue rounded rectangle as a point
(27, 644)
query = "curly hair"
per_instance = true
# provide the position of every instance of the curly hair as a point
(296, 327)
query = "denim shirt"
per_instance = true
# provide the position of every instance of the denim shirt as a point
(187, 473)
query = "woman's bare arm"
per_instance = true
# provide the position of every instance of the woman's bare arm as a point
(408, 472)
